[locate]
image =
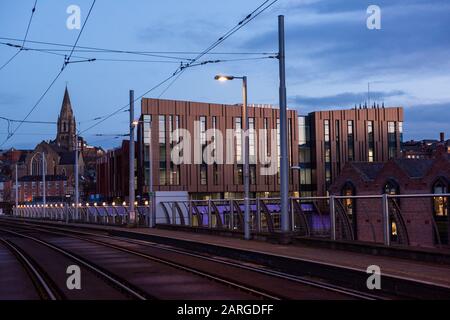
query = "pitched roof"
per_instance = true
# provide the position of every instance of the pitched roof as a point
(369, 170)
(67, 158)
(415, 168)
(66, 107)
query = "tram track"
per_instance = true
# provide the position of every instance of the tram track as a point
(45, 281)
(251, 292)
(110, 241)
(41, 281)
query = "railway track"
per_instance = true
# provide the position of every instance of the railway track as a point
(45, 282)
(172, 257)
(20, 231)
(40, 280)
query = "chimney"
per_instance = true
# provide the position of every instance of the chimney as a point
(442, 136)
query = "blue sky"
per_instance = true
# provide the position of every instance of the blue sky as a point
(331, 56)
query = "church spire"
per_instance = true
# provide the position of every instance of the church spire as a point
(66, 107)
(65, 137)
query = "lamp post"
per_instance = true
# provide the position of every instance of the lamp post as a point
(44, 200)
(246, 151)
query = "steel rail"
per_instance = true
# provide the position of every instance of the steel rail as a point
(128, 289)
(37, 278)
(277, 274)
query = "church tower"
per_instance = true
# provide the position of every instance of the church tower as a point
(65, 137)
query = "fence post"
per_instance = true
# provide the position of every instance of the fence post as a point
(190, 213)
(386, 228)
(291, 203)
(332, 218)
(258, 215)
(231, 215)
(174, 216)
(210, 224)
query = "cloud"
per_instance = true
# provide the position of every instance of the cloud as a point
(347, 99)
(9, 99)
(332, 36)
(425, 121)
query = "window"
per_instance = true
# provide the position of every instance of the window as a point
(216, 174)
(400, 130)
(303, 130)
(440, 204)
(327, 153)
(202, 130)
(392, 188)
(338, 145)
(392, 140)
(252, 169)
(350, 141)
(203, 174)
(239, 174)
(162, 129)
(214, 136)
(348, 190)
(251, 140)
(175, 175)
(171, 129)
(238, 135)
(326, 130)
(370, 141)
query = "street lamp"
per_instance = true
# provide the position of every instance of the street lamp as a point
(246, 151)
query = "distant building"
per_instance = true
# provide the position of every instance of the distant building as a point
(31, 189)
(5, 193)
(59, 161)
(113, 174)
(424, 149)
(415, 221)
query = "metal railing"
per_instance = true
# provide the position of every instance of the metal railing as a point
(382, 218)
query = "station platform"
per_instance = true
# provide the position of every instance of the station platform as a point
(298, 255)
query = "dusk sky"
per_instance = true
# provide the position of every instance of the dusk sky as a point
(331, 56)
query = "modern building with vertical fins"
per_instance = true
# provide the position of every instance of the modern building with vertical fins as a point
(329, 139)
(320, 144)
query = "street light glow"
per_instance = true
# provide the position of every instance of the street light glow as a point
(223, 78)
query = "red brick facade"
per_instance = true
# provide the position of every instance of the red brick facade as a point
(422, 217)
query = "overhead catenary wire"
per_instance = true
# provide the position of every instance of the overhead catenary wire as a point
(160, 54)
(183, 66)
(67, 60)
(92, 59)
(79, 33)
(261, 8)
(24, 38)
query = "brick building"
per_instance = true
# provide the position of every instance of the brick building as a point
(31, 189)
(424, 149)
(320, 144)
(217, 180)
(5, 193)
(414, 221)
(330, 139)
(113, 173)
